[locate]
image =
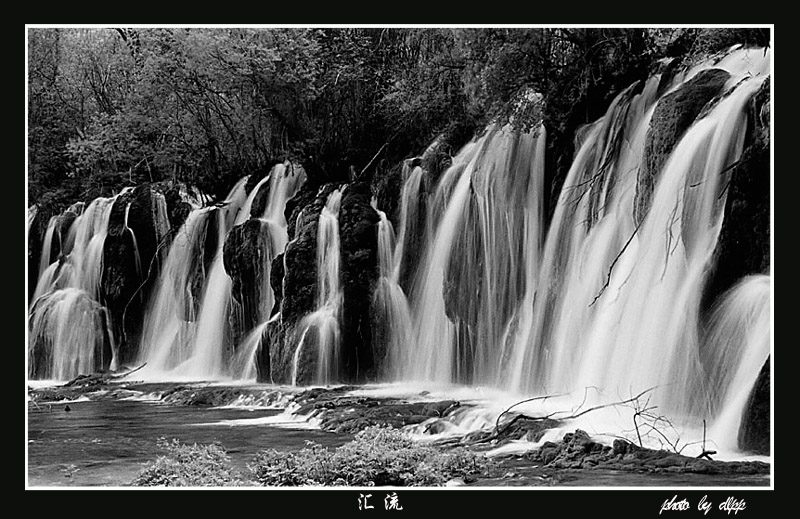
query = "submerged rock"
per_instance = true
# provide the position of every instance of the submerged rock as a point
(342, 413)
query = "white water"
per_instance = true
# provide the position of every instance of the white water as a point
(323, 322)
(594, 309)
(393, 326)
(605, 309)
(66, 320)
(177, 344)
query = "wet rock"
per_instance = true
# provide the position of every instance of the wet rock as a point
(435, 427)
(247, 250)
(296, 289)
(340, 412)
(754, 434)
(260, 200)
(36, 232)
(673, 115)
(177, 208)
(442, 408)
(578, 451)
(129, 270)
(298, 285)
(358, 229)
(524, 428)
(743, 246)
(548, 452)
(263, 357)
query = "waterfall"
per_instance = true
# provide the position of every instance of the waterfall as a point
(187, 329)
(169, 323)
(69, 329)
(477, 286)
(392, 318)
(284, 182)
(324, 320)
(185, 332)
(485, 228)
(738, 345)
(608, 296)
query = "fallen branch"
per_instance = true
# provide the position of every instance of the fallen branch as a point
(497, 431)
(497, 422)
(99, 378)
(611, 268)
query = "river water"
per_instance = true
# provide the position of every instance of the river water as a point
(108, 442)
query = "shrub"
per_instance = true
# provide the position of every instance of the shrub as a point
(189, 466)
(378, 456)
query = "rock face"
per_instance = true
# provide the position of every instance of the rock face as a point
(358, 228)
(754, 434)
(342, 413)
(247, 248)
(294, 282)
(36, 232)
(578, 450)
(60, 244)
(743, 246)
(673, 115)
(299, 282)
(130, 266)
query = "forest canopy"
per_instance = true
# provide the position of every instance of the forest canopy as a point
(112, 107)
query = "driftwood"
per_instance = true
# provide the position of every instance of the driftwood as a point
(100, 378)
(499, 428)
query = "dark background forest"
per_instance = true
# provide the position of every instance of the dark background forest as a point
(114, 107)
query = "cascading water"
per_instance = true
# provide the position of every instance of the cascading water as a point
(612, 299)
(187, 326)
(473, 289)
(70, 331)
(323, 322)
(284, 182)
(392, 317)
(737, 346)
(486, 213)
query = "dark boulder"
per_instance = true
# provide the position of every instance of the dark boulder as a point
(299, 281)
(129, 267)
(177, 208)
(276, 281)
(673, 115)
(260, 200)
(246, 254)
(754, 433)
(358, 230)
(297, 287)
(743, 246)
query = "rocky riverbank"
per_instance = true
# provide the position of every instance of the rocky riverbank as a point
(576, 459)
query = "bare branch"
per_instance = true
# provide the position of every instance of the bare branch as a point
(611, 268)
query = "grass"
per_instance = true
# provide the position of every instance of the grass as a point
(377, 456)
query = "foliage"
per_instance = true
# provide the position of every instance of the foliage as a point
(378, 456)
(189, 466)
(111, 107)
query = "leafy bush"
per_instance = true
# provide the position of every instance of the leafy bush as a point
(189, 466)
(378, 456)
